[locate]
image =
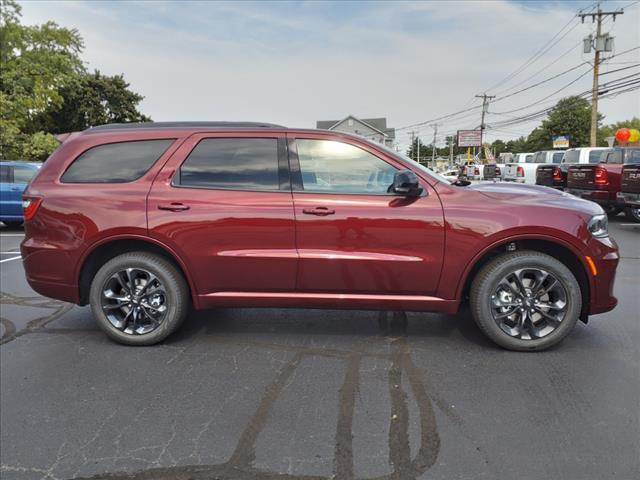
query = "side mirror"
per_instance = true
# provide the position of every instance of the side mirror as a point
(406, 183)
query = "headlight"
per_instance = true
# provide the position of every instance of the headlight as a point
(599, 226)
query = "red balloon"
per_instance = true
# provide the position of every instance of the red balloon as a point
(623, 134)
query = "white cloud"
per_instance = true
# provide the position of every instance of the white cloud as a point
(297, 63)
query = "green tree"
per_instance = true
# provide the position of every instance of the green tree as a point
(45, 88)
(92, 99)
(35, 62)
(570, 116)
(425, 151)
(498, 147)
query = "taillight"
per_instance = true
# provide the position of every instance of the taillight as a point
(497, 170)
(476, 171)
(30, 206)
(557, 174)
(600, 177)
(520, 171)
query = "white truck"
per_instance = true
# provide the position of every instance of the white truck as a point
(525, 172)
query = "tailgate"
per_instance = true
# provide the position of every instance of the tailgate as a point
(630, 181)
(510, 170)
(544, 175)
(581, 176)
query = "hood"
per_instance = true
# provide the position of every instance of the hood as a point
(524, 194)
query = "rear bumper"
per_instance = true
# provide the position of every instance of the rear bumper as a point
(627, 198)
(601, 197)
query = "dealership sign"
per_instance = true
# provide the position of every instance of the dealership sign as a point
(469, 138)
(561, 141)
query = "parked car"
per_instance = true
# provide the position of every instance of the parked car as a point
(451, 174)
(526, 172)
(492, 171)
(629, 194)
(473, 171)
(511, 171)
(14, 177)
(256, 215)
(600, 183)
(552, 175)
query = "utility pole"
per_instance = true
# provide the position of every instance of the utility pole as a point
(485, 106)
(433, 151)
(451, 152)
(603, 43)
(413, 139)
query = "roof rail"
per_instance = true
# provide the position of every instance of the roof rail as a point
(134, 126)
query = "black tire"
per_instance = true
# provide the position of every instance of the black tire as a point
(12, 223)
(632, 214)
(612, 211)
(175, 293)
(486, 282)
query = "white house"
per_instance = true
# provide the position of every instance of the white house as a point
(371, 128)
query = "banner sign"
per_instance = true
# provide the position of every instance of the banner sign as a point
(469, 138)
(561, 141)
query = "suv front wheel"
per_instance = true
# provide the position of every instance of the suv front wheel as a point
(525, 300)
(139, 298)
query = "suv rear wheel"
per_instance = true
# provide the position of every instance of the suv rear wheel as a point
(139, 298)
(525, 300)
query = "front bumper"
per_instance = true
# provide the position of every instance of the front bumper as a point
(604, 253)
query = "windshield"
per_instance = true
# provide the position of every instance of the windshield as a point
(417, 165)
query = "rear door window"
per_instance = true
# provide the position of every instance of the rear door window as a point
(116, 162)
(557, 157)
(571, 156)
(596, 155)
(232, 163)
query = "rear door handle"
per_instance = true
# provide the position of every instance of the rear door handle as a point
(174, 207)
(320, 211)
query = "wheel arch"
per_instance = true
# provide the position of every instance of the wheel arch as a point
(100, 252)
(560, 250)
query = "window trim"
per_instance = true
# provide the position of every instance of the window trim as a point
(297, 186)
(284, 183)
(98, 145)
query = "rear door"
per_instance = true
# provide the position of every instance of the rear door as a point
(354, 237)
(223, 203)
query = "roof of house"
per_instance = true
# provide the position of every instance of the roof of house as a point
(379, 124)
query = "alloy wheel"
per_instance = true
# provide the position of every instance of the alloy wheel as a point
(529, 303)
(134, 301)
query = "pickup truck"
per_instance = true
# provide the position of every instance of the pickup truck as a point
(555, 176)
(524, 170)
(601, 182)
(629, 194)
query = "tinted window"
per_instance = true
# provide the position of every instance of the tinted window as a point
(528, 158)
(328, 166)
(596, 155)
(614, 156)
(6, 174)
(571, 156)
(633, 156)
(23, 174)
(557, 157)
(116, 162)
(232, 163)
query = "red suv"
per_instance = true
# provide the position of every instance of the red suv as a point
(144, 221)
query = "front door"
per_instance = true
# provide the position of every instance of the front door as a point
(223, 203)
(352, 235)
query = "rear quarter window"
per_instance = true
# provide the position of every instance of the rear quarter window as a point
(595, 156)
(557, 157)
(116, 162)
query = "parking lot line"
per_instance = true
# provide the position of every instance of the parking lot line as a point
(11, 234)
(8, 253)
(9, 259)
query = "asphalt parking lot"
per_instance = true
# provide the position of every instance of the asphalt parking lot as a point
(293, 394)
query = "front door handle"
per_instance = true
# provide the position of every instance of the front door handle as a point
(174, 207)
(320, 211)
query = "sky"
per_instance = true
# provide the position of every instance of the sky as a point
(293, 63)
